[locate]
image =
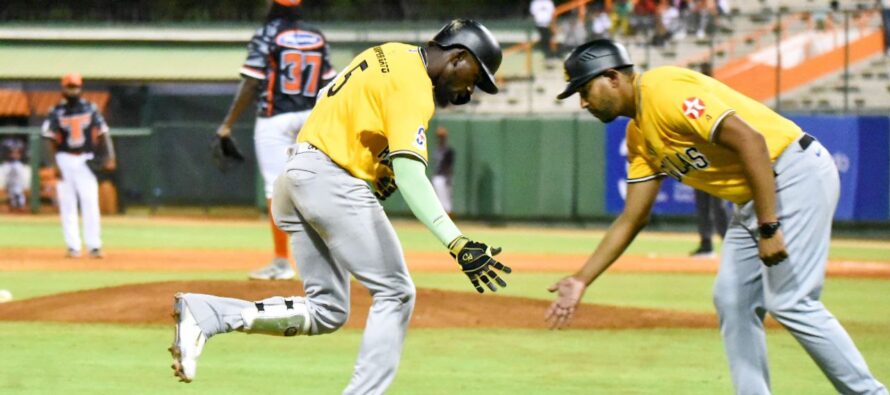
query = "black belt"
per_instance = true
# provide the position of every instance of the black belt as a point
(805, 141)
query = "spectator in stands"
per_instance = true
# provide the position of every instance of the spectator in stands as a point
(620, 14)
(600, 22)
(12, 171)
(643, 21)
(825, 18)
(668, 23)
(443, 175)
(701, 14)
(574, 29)
(542, 12)
(723, 15)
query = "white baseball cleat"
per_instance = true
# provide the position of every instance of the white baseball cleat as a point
(278, 269)
(188, 342)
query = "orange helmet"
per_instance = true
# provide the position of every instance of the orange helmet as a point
(288, 3)
(72, 79)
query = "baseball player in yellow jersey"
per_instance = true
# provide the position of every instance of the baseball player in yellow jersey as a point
(368, 127)
(785, 185)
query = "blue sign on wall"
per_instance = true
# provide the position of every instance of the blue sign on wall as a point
(860, 147)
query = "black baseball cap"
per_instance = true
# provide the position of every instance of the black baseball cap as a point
(589, 60)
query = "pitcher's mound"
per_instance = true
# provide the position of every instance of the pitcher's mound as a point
(152, 304)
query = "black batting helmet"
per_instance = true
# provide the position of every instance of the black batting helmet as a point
(472, 36)
(589, 60)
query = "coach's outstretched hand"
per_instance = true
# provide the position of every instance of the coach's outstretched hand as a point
(476, 260)
(569, 291)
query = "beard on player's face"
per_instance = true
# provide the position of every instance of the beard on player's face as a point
(445, 95)
(71, 93)
(599, 100)
(455, 85)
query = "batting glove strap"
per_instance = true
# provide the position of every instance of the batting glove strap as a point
(384, 187)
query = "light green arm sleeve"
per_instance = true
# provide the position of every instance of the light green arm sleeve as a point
(418, 193)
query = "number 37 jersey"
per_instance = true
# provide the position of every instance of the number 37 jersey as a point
(291, 59)
(379, 106)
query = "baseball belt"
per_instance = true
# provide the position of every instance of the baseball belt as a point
(805, 141)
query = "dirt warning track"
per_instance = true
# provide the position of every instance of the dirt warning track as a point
(15, 259)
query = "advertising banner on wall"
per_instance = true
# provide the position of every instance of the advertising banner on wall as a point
(860, 147)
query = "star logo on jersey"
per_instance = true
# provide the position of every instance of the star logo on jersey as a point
(693, 107)
(420, 140)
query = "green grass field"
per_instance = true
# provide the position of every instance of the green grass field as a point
(53, 358)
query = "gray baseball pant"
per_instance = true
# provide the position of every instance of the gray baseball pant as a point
(337, 228)
(808, 188)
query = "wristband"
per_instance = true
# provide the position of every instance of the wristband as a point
(768, 230)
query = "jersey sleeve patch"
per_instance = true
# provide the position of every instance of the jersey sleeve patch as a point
(693, 107)
(420, 139)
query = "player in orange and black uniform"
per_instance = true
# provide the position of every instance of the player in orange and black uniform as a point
(287, 63)
(73, 132)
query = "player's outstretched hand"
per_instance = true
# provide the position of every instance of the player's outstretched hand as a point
(478, 263)
(569, 291)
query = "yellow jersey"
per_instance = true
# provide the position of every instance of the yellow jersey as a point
(377, 107)
(678, 111)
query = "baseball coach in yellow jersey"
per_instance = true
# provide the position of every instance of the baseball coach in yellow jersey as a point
(368, 127)
(785, 186)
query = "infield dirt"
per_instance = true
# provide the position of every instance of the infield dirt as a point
(152, 304)
(180, 260)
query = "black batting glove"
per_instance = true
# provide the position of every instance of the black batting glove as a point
(476, 260)
(384, 187)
